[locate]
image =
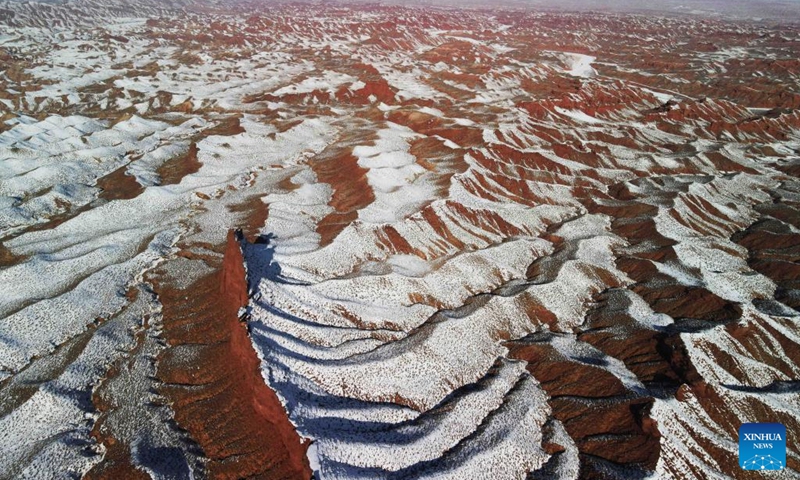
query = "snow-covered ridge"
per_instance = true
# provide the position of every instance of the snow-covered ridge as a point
(472, 252)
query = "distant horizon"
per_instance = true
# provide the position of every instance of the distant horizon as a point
(784, 11)
(787, 11)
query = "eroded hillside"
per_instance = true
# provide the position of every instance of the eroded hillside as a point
(473, 244)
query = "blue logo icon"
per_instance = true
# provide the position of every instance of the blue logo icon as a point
(762, 446)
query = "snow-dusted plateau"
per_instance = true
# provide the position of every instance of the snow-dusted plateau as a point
(380, 242)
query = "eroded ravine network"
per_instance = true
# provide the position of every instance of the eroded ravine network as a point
(473, 245)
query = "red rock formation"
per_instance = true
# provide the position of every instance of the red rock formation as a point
(211, 377)
(174, 169)
(596, 409)
(118, 185)
(374, 86)
(351, 192)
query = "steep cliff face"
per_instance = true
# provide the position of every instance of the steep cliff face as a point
(212, 378)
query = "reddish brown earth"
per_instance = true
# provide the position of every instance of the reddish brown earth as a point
(7, 258)
(174, 169)
(211, 375)
(775, 249)
(602, 417)
(339, 168)
(117, 185)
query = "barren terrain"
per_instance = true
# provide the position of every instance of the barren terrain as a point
(360, 241)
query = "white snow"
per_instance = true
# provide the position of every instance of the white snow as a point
(578, 65)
